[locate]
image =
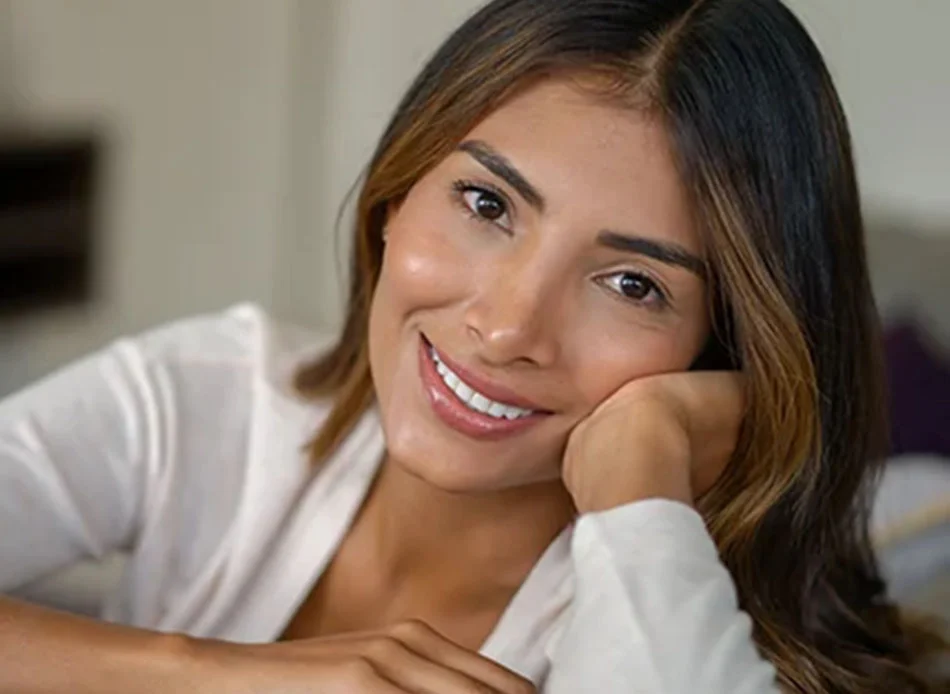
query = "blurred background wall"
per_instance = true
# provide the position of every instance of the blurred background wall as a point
(192, 100)
(232, 129)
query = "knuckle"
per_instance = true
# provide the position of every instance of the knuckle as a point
(384, 648)
(357, 670)
(411, 630)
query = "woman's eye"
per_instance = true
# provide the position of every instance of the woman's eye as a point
(636, 287)
(486, 205)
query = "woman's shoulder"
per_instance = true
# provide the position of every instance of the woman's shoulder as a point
(225, 334)
(245, 339)
(237, 332)
(224, 418)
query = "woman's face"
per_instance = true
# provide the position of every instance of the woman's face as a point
(545, 263)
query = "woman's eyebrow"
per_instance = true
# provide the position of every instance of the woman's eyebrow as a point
(669, 253)
(495, 162)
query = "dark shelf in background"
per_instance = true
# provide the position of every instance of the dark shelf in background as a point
(48, 186)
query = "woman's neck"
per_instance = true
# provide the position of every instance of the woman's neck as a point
(425, 534)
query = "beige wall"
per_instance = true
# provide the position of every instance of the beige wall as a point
(891, 61)
(193, 98)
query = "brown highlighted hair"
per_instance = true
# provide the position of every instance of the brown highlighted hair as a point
(763, 146)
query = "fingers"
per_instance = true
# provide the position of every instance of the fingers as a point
(415, 673)
(414, 656)
(424, 640)
(409, 658)
(362, 675)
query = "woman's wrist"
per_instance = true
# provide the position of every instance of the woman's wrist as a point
(43, 650)
(656, 465)
(202, 665)
(158, 662)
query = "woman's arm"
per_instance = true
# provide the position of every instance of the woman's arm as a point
(654, 610)
(90, 455)
(72, 478)
(44, 651)
(73, 464)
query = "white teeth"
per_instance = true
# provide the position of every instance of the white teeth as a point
(452, 380)
(480, 402)
(496, 409)
(472, 398)
(464, 392)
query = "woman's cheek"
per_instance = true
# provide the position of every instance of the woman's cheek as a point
(613, 363)
(424, 266)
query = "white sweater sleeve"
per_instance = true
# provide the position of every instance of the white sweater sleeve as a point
(654, 610)
(72, 465)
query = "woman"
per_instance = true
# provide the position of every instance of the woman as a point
(608, 272)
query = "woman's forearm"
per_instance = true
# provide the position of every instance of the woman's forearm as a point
(43, 651)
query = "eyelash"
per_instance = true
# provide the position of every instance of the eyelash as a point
(462, 187)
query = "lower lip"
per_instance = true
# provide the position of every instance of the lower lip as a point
(455, 414)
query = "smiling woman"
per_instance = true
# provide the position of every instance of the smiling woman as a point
(578, 195)
(608, 388)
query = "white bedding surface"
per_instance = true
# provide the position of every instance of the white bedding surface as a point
(911, 527)
(914, 494)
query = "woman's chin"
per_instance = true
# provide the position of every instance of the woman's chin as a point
(443, 467)
(460, 469)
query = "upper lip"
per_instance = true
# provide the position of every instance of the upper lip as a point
(491, 390)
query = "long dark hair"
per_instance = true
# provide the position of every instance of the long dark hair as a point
(763, 146)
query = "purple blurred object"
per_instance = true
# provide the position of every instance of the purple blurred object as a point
(919, 392)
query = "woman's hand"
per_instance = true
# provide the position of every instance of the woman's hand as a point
(668, 436)
(408, 657)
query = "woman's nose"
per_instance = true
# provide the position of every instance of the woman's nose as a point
(513, 317)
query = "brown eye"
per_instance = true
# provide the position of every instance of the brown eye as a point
(486, 204)
(636, 288)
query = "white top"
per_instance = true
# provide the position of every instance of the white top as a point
(184, 447)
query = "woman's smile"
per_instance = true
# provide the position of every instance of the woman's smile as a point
(470, 404)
